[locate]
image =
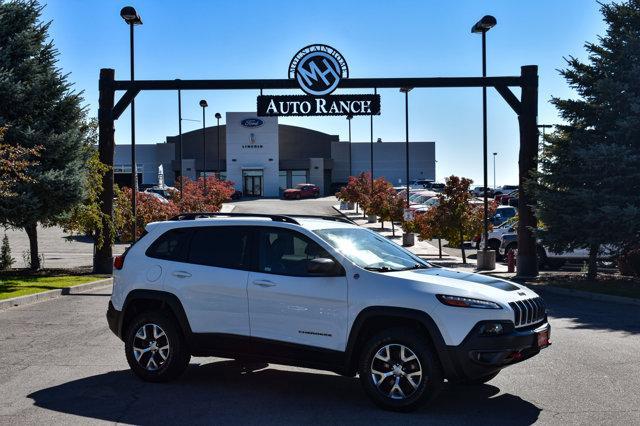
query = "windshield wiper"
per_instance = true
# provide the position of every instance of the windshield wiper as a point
(416, 266)
(380, 269)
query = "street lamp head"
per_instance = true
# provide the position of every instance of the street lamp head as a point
(349, 117)
(495, 153)
(485, 24)
(218, 116)
(203, 103)
(406, 89)
(130, 15)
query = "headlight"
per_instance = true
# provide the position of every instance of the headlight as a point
(466, 302)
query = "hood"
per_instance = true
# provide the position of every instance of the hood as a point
(466, 284)
(292, 190)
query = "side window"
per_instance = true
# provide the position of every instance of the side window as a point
(220, 246)
(286, 252)
(172, 245)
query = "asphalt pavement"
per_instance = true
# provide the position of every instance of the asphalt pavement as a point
(59, 363)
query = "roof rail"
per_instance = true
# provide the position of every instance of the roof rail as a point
(332, 218)
(198, 215)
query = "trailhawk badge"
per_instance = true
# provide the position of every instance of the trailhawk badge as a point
(318, 70)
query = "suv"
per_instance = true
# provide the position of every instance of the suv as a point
(315, 292)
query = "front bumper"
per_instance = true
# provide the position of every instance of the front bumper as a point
(479, 355)
(114, 319)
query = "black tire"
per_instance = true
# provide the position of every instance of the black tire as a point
(479, 381)
(415, 395)
(171, 362)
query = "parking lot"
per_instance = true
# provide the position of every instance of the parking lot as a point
(59, 363)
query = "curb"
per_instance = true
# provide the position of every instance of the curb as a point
(52, 294)
(584, 294)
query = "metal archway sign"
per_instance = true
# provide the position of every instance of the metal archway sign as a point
(319, 70)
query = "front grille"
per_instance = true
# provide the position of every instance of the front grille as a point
(528, 311)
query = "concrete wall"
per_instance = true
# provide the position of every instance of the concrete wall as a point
(149, 157)
(389, 160)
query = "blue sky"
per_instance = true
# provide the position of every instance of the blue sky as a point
(257, 39)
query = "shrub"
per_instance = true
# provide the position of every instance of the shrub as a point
(357, 190)
(150, 209)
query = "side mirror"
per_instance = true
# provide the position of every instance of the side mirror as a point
(321, 265)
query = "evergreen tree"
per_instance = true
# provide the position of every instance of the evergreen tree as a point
(589, 182)
(39, 109)
(6, 261)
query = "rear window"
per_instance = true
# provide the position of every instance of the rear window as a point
(172, 245)
(220, 246)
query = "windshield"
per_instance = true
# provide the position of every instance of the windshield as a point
(370, 250)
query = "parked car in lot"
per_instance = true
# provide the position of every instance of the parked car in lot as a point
(505, 189)
(302, 190)
(505, 199)
(434, 186)
(320, 293)
(495, 237)
(502, 214)
(547, 257)
(157, 197)
(478, 191)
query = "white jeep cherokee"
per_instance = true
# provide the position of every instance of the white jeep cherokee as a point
(315, 292)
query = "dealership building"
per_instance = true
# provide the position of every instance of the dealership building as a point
(263, 157)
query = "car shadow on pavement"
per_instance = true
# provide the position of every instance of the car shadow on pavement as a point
(592, 314)
(224, 392)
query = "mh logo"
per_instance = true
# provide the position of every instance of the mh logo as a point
(318, 69)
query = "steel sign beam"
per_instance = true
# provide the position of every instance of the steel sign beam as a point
(347, 83)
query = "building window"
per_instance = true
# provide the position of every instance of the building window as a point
(298, 176)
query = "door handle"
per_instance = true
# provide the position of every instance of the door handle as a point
(264, 283)
(181, 274)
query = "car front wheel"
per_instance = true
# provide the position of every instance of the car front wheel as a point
(155, 349)
(399, 370)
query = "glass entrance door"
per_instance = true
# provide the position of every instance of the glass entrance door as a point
(252, 183)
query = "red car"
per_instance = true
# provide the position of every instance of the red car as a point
(302, 190)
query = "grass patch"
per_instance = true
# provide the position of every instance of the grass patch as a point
(615, 285)
(20, 283)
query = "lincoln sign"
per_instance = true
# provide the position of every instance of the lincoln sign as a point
(318, 70)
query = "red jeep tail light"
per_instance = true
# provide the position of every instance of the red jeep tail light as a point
(118, 262)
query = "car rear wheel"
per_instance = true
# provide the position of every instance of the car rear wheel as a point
(155, 349)
(399, 370)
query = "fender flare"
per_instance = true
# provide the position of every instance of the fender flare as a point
(168, 299)
(404, 313)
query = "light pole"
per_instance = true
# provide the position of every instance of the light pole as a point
(494, 170)
(132, 19)
(482, 26)
(218, 117)
(349, 118)
(406, 91)
(375, 92)
(180, 136)
(204, 105)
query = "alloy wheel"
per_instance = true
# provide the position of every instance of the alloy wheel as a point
(396, 371)
(151, 347)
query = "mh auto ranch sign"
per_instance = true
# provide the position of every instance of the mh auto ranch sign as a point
(318, 69)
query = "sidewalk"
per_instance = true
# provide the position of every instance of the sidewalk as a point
(424, 249)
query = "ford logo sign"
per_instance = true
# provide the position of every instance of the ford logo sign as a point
(251, 122)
